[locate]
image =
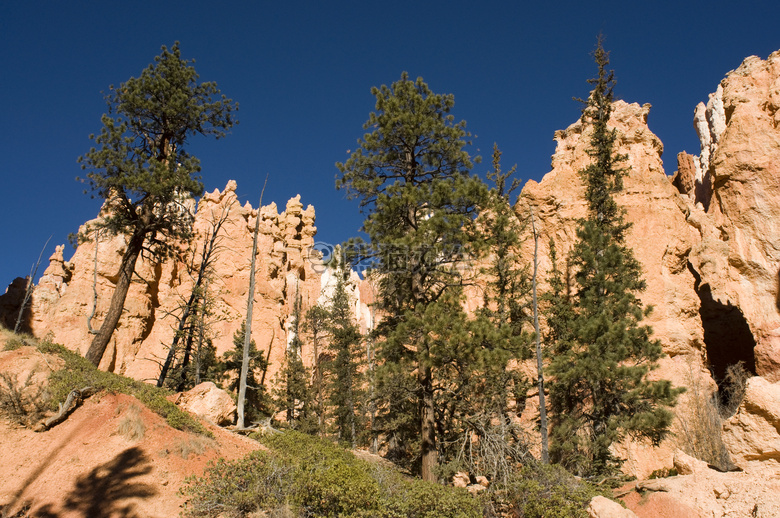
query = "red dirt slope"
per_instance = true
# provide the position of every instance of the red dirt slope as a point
(111, 457)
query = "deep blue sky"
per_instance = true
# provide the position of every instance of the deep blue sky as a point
(302, 73)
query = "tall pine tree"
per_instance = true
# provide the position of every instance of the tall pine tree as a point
(345, 377)
(141, 166)
(602, 355)
(411, 174)
(294, 394)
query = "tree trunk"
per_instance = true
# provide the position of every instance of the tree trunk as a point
(126, 270)
(430, 458)
(539, 363)
(185, 362)
(248, 323)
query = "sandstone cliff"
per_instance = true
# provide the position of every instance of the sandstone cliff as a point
(63, 298)
(708, 241)
(738, 255)
(660, 237)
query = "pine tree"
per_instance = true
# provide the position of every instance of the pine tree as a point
(142, 168)
(294, 395)
(411, 174)
(317, 325)
(602, 355)
(507, 290)
(490, 391)
(345, 379)
(259, 404)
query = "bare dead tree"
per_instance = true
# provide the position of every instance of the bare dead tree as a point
(93, 331)
(539, 363)
(28, 290)
(248, 324)
(208, 256)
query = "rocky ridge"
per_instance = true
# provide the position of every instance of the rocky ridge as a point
(63, 299)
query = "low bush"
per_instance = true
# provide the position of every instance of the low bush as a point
(542, 491)
(303, 476)
(22, 402)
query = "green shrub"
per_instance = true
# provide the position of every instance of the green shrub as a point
(23, 402)
(548, 491)
(235, 488)
(305, 476)
(421, 499)
(328, 480)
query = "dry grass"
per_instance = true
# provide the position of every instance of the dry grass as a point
(23, 402)
(699, 424)
(132, 425)
(11, 341)
(192, 445)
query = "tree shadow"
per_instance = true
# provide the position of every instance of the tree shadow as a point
(101, 492)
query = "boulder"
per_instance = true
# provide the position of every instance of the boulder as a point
(210, 402)
(602, 507)
(461, 479)
(687, 465)
(752, 435)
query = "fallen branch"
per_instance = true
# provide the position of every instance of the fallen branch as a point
(653, 485)
(75, 396)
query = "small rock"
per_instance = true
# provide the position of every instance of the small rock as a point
(210, 402)
(602, 507)
(461, 479)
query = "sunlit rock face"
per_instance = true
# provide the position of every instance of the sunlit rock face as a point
(708, 239)
(738, 257)
(659, 235)
(63, 299)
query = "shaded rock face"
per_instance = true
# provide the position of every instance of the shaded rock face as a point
(63, 298)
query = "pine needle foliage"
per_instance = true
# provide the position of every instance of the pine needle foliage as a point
(345, 376)
(258, 402)
(411, 175)
(601, 354)
(141, 166)
(294, 392)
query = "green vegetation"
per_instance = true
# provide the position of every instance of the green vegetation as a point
(294, 392)
(411, 174)
(445, 390)
(258, 401)
(302, 476)
(600, 354)
(79, 373)
(345, 386)
(545, 491)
